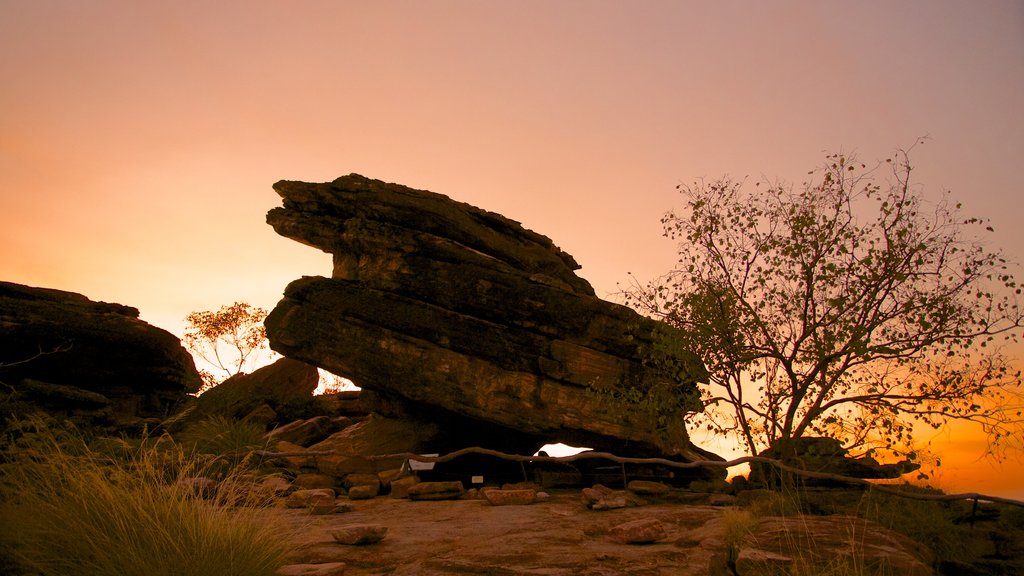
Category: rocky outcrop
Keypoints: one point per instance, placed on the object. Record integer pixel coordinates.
(477, 322)
(286, 386)
(826, 455)
(62, 351)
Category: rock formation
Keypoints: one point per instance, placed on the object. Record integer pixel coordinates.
(826, 455)
(477, 323)
(63, 351)
(285, 387)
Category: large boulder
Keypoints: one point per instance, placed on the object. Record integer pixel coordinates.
(62, 351)
(286, 386)
(471, 317)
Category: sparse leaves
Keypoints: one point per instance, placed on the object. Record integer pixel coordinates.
(226, 339)
(850, 306)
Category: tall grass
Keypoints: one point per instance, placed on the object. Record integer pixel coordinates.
(68, 509)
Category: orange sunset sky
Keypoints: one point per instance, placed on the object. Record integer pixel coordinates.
(139, 140)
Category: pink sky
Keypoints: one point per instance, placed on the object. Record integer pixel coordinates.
(139, 140)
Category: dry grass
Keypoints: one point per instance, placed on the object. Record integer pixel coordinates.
(68, 509)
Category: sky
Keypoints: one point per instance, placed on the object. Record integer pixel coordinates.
(139, 140)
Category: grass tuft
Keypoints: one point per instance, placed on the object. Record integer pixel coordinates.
(68, 509)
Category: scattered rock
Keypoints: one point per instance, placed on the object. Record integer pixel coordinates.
(498, 497)
(400, 486)
(360, 535)
(386, 476)
(315, 497)
(436, 491)
(352, 480)
(373, 436)
(294, 462)
(312, 480)
(648, 488)
(363, 491)
(642, 531)
(618, 499)
(275, 485)
(594, 494)
(302, 432)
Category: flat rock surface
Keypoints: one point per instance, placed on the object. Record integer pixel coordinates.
(556, 537)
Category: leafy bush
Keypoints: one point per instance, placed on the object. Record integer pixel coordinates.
(68, 509)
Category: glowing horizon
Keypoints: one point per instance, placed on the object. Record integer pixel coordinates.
(139, 141)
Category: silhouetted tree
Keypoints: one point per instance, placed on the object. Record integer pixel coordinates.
(849, 307)
(227, 339)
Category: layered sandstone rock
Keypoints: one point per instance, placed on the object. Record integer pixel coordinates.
(475, 321)
(65, 352)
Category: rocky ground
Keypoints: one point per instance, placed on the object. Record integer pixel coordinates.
(561, 536)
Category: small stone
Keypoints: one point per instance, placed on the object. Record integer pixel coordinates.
(594, 494)
(276, 485)
(352, 480)
(510, 497)
(618, 499)
(313, 480)
(309, 498)
(326, 569)
(643, 531)
(360, 534)
(648, 488)
(385, 477)
(400, 486)
(363, 492)
(302, 432)
(295, 462)
(451, 490)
